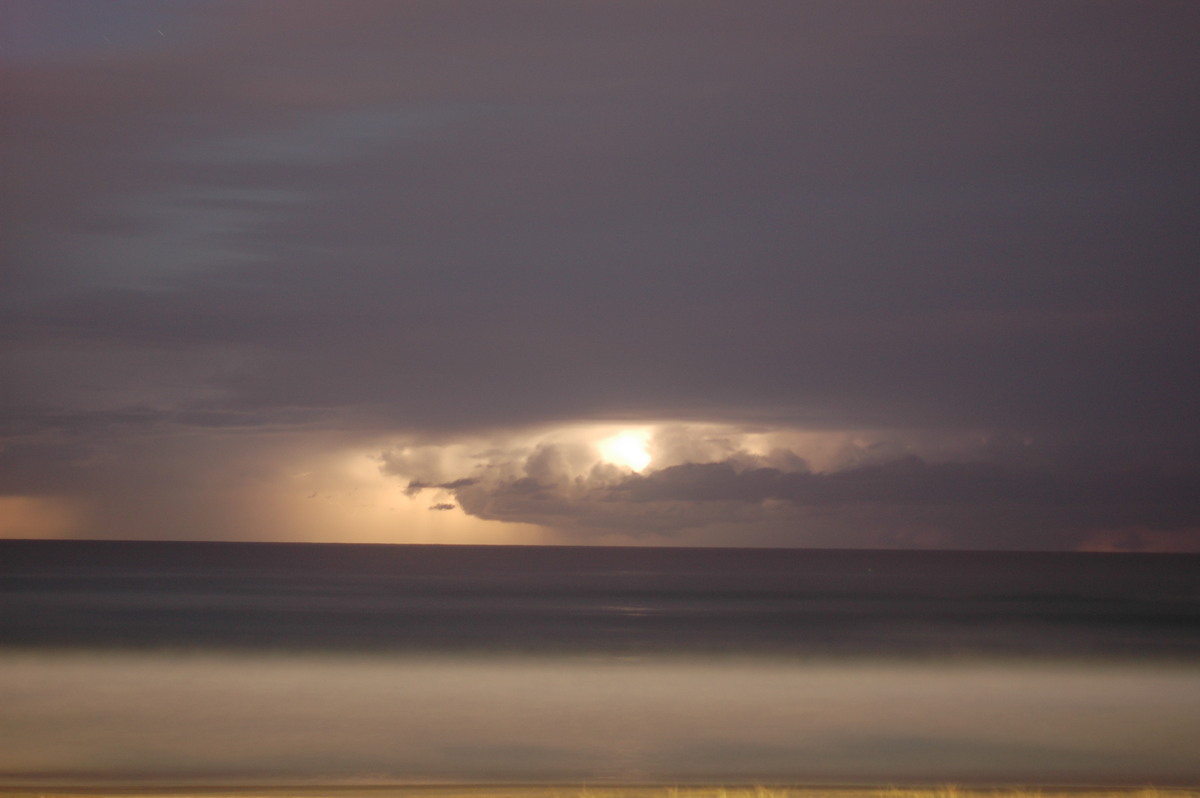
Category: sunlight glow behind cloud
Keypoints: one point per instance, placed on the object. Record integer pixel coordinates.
(627, 448)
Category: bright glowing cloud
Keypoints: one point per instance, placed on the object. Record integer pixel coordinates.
(627, 448)
(643, 482)
(571, 455)
(650, 481)
(673, 483)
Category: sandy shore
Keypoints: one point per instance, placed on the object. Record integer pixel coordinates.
(602, 791)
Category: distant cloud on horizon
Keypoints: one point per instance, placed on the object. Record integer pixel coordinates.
(869, 497)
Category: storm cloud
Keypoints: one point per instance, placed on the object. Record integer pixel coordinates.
(775, 498)
(241, 239)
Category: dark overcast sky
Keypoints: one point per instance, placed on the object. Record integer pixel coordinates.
(850, 274)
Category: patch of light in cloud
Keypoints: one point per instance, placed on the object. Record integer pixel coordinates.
(571, 452)
(627, 448)
(663, 481)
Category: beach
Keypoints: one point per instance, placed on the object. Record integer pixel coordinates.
(624, 791)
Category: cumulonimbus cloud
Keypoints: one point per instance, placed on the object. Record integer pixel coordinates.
(977, 502)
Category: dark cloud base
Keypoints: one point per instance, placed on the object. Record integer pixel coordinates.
(895, 502)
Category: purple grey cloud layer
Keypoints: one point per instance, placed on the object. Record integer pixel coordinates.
(432, 218)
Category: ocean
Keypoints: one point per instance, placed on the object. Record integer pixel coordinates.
(131, 663)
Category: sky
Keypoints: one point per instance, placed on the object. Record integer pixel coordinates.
(642, 272)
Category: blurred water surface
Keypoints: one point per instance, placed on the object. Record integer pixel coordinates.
(279, 664)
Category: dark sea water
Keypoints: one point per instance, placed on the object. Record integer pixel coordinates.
(223, 663)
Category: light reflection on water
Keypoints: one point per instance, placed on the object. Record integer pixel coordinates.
(210, 717)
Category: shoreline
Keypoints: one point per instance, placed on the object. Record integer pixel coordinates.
(578, 790)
